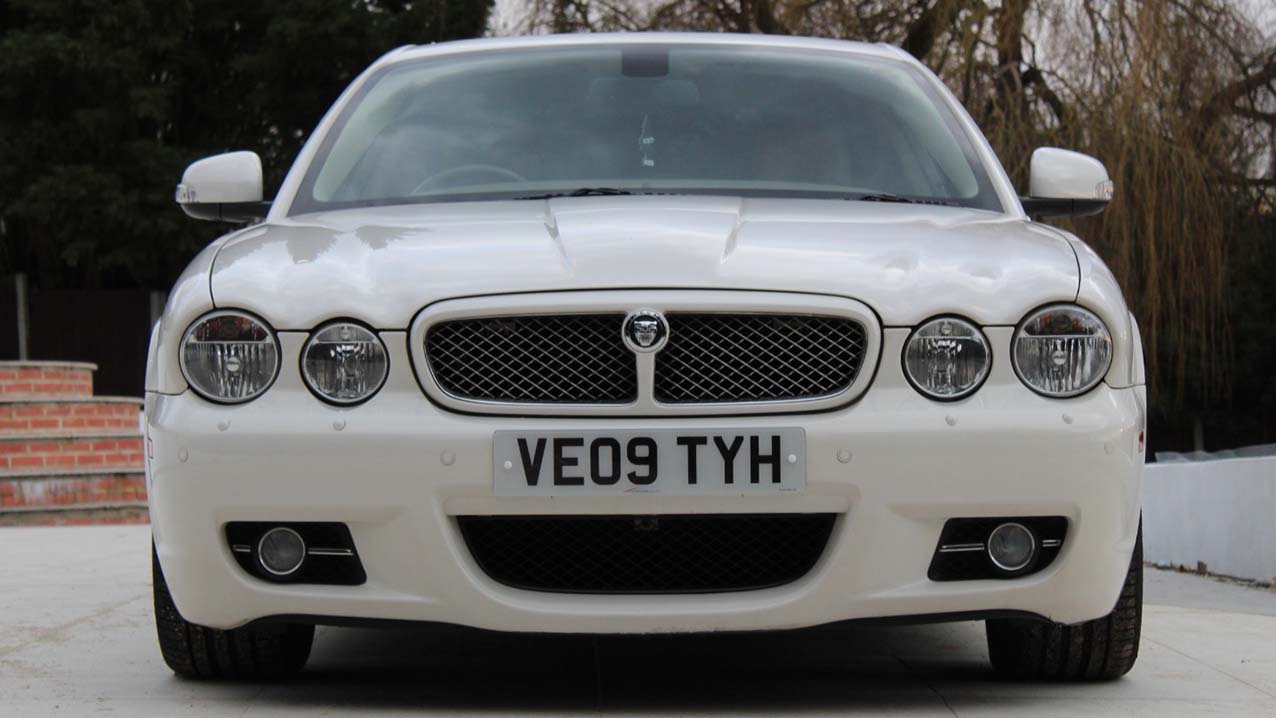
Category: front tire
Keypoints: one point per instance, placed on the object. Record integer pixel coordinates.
(194, 651)
(1103, 649)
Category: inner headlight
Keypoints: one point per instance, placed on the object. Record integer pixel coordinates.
(229, 357)
(1062, 350)
(344, 363)
(947, 358)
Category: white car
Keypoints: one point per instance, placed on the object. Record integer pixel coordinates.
(646, 334)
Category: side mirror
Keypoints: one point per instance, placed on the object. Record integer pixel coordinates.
(1063, 183)
(223, 188)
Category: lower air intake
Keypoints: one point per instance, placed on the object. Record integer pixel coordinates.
(647, 554)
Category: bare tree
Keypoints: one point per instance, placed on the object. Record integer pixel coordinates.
(1178, 97)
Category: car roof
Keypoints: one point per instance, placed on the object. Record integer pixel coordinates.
(413, 52)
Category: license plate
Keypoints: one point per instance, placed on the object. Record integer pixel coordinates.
(662, 461)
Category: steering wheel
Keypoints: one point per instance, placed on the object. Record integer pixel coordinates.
(477, 169)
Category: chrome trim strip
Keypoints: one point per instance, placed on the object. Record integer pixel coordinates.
(329, 552)
(241, 548)
(1051, 543)
(960, 547)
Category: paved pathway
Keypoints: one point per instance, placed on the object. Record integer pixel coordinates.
(76, 638)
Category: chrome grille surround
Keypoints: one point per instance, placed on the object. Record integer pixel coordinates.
(716, 358)
(822, 321)
(555, 359)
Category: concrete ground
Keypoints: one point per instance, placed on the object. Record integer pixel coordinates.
(76, 638)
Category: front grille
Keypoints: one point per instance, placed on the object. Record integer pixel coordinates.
(719, 358)
(647, 554)
(559, 359)
(714, 358)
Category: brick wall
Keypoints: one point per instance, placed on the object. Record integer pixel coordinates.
(71, 492)
(63, 417)
(45, 381)
(67, 456)
(71, 453)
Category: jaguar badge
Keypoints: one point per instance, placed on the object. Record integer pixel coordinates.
(645, 330)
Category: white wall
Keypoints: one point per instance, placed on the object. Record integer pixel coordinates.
(1220, 511)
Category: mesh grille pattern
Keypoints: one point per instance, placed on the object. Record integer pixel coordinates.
(713, 358)
(560, 359)
(647, 554)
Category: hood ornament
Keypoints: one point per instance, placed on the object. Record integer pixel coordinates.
(645, 330)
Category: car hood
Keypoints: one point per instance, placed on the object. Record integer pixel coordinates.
(382, 265)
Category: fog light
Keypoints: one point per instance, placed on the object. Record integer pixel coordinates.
(1011, 547)
(281, 551)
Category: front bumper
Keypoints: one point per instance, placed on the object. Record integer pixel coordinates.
(398, 470)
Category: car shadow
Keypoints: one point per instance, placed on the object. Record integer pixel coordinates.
(851, 667)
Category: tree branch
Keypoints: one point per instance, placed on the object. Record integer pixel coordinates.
(1260, 116)
(924, 32)
(1248, 181)
(1225, 99)
(1034, 77)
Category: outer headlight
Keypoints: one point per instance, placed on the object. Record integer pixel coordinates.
(229, 357)
(947, 358)
(344, 363)
(1062, 350)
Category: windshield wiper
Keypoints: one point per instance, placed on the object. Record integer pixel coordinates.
(884, 197)
(581, 192)
(887, 197)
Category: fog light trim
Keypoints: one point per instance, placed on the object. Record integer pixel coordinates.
(961, 553)
(331, 557)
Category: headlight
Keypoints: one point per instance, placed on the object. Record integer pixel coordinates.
(229, 357)
(947, 358)
(1062, 350)
(344, 363)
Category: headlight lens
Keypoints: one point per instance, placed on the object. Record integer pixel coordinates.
(1062, 350)
(344, 363)
(947, 358)
(229, 357)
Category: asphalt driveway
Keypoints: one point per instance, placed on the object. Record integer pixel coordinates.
(76, 638)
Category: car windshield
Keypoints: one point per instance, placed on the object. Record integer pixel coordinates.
(646, 119)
